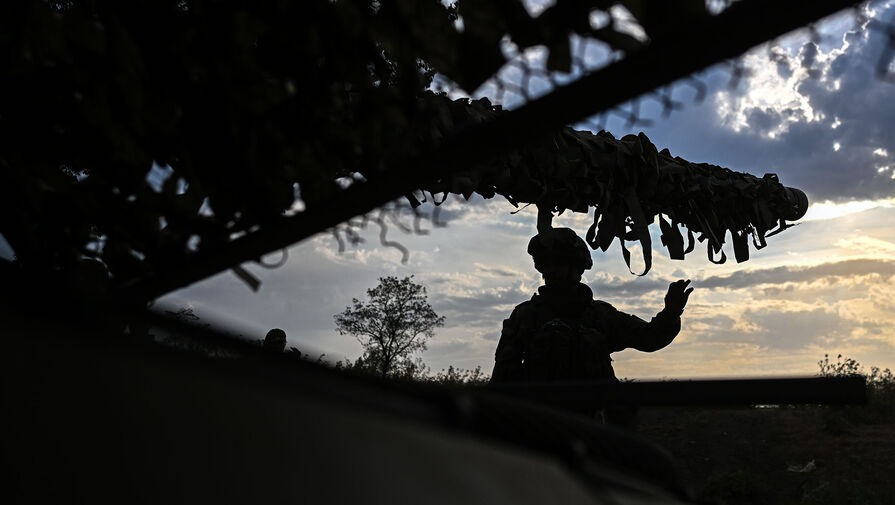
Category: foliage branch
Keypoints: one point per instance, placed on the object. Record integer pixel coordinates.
(393, 325)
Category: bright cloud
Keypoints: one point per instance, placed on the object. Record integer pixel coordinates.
(831, 210)
(774, 98)
(868, 245)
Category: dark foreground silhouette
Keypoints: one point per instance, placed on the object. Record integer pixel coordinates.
(562, 333)
(92, 416)
(275, 340)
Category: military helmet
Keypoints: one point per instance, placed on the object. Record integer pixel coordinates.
(560, 244)
(275, 340)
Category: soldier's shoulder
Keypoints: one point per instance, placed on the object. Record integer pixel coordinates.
(526, 306)
(522, 316)
(602, 306)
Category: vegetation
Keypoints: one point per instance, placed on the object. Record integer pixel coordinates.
(880, 382)
(806, 454)
(392, 326)
(880, 405)
(455, 376)
(418, 372)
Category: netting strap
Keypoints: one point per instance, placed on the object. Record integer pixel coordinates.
(640, 228)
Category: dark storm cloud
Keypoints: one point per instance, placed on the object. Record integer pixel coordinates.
(451, 348)
(483, 309)
(496, 271)
(784, 330)
(775, 291)
(796, 329)
(750, 278)
(766, 120)
(717, 321)
(803, 156)
(454, 208)
(632, 289)
(781, 275)
(781, 59)
(865, 107)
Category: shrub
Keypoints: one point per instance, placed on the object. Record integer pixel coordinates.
(880, 388)
(460, 376)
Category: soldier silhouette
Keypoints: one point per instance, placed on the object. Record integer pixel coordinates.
(275, 340)
(562, 333)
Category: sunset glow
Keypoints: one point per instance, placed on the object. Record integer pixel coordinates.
(823, 286)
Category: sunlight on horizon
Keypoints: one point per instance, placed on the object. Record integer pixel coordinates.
(830, 210)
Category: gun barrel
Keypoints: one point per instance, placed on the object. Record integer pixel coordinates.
(809, 390)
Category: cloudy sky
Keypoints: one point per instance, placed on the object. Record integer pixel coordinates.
(815, 114)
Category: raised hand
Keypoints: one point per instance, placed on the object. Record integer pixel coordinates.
(677, 296)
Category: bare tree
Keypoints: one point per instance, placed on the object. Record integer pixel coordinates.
(393, 325)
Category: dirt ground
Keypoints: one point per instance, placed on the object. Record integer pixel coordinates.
(777, 455)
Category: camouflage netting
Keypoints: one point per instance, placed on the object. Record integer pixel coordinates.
(136, 164)
(629, 183)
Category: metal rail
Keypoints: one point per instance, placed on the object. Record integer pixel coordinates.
(702, 393)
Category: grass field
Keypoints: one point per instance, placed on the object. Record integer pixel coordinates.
(787, 454)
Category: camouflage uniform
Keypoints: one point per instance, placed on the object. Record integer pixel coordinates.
(564, 334)
(554, 338)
